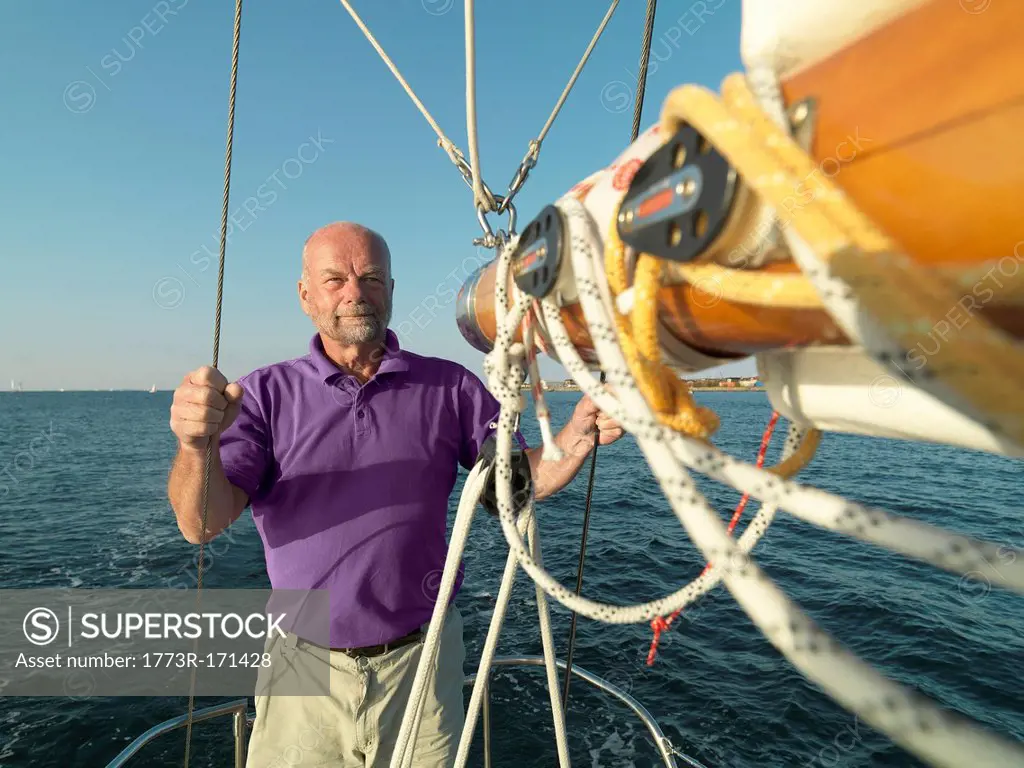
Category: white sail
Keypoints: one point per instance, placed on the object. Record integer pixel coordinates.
(787, 36)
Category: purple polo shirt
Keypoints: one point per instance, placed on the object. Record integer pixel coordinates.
(349, 484)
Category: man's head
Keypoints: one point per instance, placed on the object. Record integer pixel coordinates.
(346, 286)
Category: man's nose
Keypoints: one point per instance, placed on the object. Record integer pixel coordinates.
(353, 291)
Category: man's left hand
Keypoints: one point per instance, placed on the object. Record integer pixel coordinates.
(587, 418)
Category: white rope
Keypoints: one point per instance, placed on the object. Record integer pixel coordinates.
(943, 738)
(955, 553)
(480, 198)
(398, 75)
(488, 652)
(527, 521)
(554, 690)
(551, 451)
(472, 489)
(764, 83)
(952, 552)
(443, 141)
(498, 365)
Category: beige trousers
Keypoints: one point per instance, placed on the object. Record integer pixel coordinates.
(357, 724)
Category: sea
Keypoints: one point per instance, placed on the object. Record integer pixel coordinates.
(88, 509)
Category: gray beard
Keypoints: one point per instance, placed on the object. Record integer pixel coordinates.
(362, 330)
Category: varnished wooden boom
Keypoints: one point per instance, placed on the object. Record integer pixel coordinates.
(933, 105)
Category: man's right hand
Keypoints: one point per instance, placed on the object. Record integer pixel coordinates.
(204, 405)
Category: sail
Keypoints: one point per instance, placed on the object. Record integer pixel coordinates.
(787, 36)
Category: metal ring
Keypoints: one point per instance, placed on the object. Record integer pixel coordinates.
(484, 224)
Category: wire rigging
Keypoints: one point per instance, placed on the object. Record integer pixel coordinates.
(638, 108)
(645, 59)
(208, 460)
(443, 141)
(533, 151)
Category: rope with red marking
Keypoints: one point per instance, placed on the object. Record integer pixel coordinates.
(660, 624)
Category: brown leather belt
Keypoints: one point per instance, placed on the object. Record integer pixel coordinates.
(379, 650)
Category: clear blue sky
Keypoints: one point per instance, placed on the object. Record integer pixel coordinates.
(113, 138)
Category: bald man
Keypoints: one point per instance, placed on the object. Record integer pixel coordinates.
(347, 457)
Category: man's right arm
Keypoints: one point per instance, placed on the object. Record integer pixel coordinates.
(204, 406)
(225, 502)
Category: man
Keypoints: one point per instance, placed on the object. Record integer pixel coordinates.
(347, 457)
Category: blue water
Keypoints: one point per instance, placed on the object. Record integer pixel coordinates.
(88, 509)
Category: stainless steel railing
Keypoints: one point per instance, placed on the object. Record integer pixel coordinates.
(237, 709)
(662, 742)
(241, 720)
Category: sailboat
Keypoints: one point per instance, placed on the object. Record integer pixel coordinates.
(152, 389)
(759, 222)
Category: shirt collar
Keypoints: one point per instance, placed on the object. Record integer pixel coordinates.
(393, 361)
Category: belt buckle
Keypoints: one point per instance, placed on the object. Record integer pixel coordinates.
(381, 649)
(365, 652)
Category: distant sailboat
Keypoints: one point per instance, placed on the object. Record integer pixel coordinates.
(15, 386)
(152, 390)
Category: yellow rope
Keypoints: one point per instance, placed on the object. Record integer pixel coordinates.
(790, 290)
(984, 281)
(801, 457)
(667, 394)
(977, 285)
(980, 365)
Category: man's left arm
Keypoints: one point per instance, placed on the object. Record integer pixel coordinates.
(576, 440)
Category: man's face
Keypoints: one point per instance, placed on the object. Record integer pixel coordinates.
(347, 289)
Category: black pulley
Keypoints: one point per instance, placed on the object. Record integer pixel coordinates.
(522, 478)
(679, 200)
(538, 255)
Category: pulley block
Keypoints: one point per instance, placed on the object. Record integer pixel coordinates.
(522, 478)
(538, 255)
(679, 200)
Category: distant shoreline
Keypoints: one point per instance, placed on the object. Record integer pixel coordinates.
(727, 389)
(560, 387)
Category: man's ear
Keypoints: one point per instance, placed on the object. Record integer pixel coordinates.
(302, 297)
